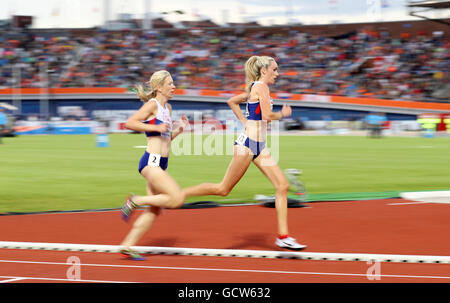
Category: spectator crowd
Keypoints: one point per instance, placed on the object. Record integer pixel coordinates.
(357, 65)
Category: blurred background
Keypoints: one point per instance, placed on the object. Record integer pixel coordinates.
(366, 67)
(373, 49)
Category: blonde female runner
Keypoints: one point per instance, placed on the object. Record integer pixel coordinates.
(153, 118)
(261, 71)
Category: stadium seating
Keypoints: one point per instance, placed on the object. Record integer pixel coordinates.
(358, 65)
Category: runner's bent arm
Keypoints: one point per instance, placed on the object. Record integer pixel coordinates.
(234, 102)
(182, 123)
(135, 121)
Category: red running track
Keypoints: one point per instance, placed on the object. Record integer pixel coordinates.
(391, 226)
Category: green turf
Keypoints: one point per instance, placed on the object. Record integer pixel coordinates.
(69, 172)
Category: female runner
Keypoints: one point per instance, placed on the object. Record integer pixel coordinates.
(261, 71)
(153, 118)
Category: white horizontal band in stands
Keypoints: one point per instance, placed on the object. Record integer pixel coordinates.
(230, 252)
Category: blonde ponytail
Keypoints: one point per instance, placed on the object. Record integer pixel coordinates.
(253, 69)
(142, 93)
(156, 80)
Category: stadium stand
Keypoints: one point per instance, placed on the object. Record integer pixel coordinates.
(390, 60)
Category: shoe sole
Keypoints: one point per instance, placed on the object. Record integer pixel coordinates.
(293, 248)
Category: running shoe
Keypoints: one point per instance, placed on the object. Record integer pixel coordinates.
(131, 254)
(128, 208)
(289, 243)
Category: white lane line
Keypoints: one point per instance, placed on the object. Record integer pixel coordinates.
(223, 270)
(13, 278)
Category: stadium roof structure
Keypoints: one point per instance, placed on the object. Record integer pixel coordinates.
(157, 23)
(199, 24)
(247, 24)
(420, 6)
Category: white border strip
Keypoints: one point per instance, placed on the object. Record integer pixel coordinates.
(229, 252)
(407, 203)
(427, 196)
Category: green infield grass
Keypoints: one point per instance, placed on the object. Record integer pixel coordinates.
(68, 172)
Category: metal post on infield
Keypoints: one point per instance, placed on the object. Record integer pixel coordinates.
(296, 186)
(102, 140)
(102, 135)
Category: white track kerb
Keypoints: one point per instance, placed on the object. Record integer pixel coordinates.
(230, 253)
(442, 196)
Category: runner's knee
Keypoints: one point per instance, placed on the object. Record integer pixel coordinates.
(283, 186)
(176, 200)
(223, 190)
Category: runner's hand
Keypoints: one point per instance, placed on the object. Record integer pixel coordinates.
(286, 111)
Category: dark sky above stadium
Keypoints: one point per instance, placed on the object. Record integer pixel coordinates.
(88, 13)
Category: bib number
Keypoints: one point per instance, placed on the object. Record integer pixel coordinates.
(241, 139)
(154, 159)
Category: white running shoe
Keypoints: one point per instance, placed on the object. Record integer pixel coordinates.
(289, 243)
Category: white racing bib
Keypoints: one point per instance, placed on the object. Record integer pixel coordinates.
(241, 139)
(153, 159)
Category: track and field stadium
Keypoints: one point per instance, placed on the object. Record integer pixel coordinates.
(371, 209)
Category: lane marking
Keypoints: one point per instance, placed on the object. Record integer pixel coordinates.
(209, 269)
(13, 278)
